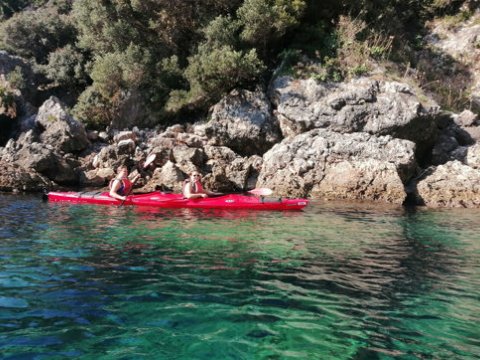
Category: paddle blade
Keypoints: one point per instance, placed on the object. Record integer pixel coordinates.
(150, 159)
(261, 192)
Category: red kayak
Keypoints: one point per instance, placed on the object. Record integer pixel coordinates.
(164, 200)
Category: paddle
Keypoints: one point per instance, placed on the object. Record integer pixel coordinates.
(260, 192)
(256, 192)
(150, 159)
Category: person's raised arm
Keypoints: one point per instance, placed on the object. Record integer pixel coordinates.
(136, 177)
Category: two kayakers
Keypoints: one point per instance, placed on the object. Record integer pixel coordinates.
(193, 188)
(121, 185)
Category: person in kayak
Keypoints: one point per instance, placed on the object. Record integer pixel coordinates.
(121, 186)
(193, 188)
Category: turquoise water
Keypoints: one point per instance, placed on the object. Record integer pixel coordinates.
(337, 281)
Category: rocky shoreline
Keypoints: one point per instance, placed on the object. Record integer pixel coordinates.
(366, 139)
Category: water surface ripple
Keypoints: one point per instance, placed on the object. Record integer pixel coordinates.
(337, 281)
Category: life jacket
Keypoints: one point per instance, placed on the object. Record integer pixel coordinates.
(125, 187)
(195, 188)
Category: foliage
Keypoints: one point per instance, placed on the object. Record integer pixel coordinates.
(7, 102)
(218, 70)
(16, 78)
(223, 30)
(66, 67)
(36, 33)
(173, 55)
(93, 109)
(9, 7)
(360, 46)
(118, 71)
(168, 75)
(264, 21)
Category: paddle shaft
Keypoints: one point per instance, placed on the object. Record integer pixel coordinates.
(256, 192)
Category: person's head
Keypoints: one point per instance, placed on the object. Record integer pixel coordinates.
(195, 176)
(122, 170)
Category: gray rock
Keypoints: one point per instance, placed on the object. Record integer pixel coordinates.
(14, 178)
(61, 130)
(184, 153)
(362, 105)
(243, 122)
(450, 185)
(168, 177)
(310, 163)
(466, 118)
(125, 135)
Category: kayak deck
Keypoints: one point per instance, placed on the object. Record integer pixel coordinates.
(167, 200)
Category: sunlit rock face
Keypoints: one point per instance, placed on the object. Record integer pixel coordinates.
(327, 164)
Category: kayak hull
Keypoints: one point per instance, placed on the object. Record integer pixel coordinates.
(164, 200)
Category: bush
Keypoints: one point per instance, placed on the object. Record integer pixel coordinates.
(168, 75)
(360, 46)
(17, 79)
(222, 30)
(120, 71)
(34, 34)
(10, 7)
(218, 70)
(265, 21)
(93, 109)
(8, 107)
(66, 67)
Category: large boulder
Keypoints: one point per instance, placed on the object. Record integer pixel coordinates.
(168, 177)
(227, 171)
(449, 185)
(361, 105)
(323, 163)
(243, 121)
(458, 132)
(61, 130)
(43, 159)
(14, 177)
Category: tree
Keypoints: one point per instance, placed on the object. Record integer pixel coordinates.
(265, 21)
(33, 34)
(66, 67)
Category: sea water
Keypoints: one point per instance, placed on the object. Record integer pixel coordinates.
(335, 281)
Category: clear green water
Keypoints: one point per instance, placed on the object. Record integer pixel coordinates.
(333, 282)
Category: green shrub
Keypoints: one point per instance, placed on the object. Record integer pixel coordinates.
(265, 21)
(218, 70)
(34, 34)
(17, 79)
(8, 107)
(118, 71)
(10, 7)
(93, 109)
(168, 75)
(359, 70)
(222, 30)
(66, 67)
